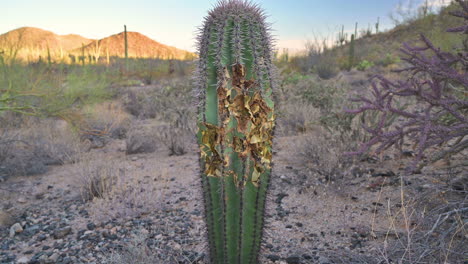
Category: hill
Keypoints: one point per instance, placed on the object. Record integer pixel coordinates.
(29, 43)
(382, 48)
(139, 46)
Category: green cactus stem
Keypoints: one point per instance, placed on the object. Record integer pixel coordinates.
(355, 30)
(235, 78)
(49, 57)
(351, 53)
(82, 57)
(377, 25)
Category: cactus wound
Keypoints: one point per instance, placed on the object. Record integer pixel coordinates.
(255, 120)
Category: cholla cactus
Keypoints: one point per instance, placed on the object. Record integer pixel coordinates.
(439, 82)
(234, 84)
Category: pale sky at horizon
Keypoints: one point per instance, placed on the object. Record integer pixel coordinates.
(174, 23)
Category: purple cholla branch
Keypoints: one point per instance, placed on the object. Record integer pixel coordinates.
(440, 116)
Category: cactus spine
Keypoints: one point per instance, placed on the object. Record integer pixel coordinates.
(234, 84)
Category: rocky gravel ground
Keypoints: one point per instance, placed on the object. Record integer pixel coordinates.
(310, 219)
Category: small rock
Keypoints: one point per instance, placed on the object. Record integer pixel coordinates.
(388, 173)
(41, 237)
(323, 260)
(293, 259)
(177, 246)
(39, 195)
(21, 200)
(6, 219)
(88, 233)
(273, 258)
(23, 260)
(15, 229)
(90, 226)
(53, 258)
(32, 230)
(62, 232)
(407, 153)
(134, 158)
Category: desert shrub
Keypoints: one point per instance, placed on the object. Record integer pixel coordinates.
(326, 69)
(138, 141)
(97, 177)
(157, 101)
(322, 154)
(437, 81)
(389, 59)
(364, 65)
(113, 194)
(140, 104)
(56, 91)
(298, 117)
(18, 157)
(105, 120)
(29, 149)
(180, 133)
(175, 139)
(322, 95)
(293, 78)
(175, 108)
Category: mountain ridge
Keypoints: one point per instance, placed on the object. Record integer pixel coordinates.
(31, 44)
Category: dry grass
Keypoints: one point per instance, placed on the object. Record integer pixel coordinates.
(429, 227)
(137, 251)
(29, 149)
(97, 177)
(139, 141)
(323, 154)
(115, 193)
(107, 119)
(296, 118)
(176, 139)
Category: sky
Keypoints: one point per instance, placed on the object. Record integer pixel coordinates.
(175, 23)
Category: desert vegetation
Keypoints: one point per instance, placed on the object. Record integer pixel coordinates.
(99, 161)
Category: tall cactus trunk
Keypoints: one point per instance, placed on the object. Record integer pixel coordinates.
(351, 53)
(126, 47)
(235, 79)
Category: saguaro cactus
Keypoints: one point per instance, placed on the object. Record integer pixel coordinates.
(126, 47)
(235, 80)
(351, 53)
